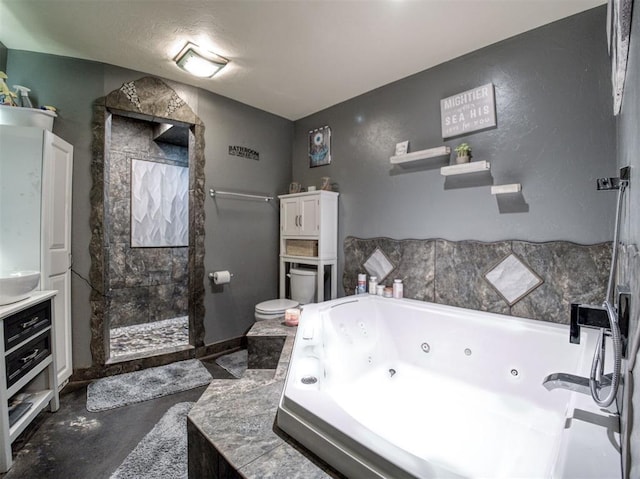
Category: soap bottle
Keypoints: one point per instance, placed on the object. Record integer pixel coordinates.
(373, 283)
(23, 93)
(362, 284)
(397, 288)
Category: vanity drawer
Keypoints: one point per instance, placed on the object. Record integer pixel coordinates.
(26, 323)
(27, 357)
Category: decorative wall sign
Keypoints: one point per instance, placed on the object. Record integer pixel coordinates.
(320, 146)
(402, 148)
(468, 111)
(244, 152)
(159, 204)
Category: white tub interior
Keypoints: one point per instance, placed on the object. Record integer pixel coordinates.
(412, 389)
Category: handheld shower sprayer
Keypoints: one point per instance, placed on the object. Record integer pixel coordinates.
(597, 366)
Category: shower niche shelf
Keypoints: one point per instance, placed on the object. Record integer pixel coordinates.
(416, 157)
(464, 168)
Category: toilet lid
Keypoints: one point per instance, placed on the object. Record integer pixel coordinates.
(275, 306)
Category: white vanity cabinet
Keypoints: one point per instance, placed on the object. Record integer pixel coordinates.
(36, 171)
(28, 377)
(309, 235)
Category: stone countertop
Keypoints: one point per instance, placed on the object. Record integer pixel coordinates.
(237, 418)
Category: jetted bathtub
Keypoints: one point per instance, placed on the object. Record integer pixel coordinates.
(392, 388)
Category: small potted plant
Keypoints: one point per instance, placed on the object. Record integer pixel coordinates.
(464, 153)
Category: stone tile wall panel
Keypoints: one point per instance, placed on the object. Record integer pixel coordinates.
(452, 273)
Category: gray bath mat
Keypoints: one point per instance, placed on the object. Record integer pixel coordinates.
(139, 386)
(163, 452)
(235, 363)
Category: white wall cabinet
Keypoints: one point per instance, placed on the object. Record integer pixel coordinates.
(309, 235)
(300, 215)
(35, 220)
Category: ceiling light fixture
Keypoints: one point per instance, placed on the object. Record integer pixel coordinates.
(199, 62)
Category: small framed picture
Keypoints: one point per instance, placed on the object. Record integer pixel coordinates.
(320, 147)
(402, 148)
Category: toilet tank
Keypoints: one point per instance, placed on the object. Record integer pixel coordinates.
(303, 285)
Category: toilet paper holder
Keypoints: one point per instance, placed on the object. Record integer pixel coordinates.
(220, 277)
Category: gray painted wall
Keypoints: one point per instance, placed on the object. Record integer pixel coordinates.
(241, 237)
(3, 57)
(629, 154)
(71, 85)
(555, 135)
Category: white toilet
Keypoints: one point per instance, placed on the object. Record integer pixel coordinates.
(303, 291)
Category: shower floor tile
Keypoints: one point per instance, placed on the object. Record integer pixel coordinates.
(149, 339)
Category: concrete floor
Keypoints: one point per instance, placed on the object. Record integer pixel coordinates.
(73, 443)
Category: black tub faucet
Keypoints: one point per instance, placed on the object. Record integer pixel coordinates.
(592, 316)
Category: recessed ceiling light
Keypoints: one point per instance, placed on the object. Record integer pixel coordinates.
(199, 62)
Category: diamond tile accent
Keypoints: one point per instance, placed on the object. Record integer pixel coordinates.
(378, 265)
(513, 279)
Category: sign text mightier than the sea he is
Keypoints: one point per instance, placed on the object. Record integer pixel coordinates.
(468, 111)
(244, 152)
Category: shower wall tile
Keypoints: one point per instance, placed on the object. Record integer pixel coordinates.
(459, 274)
(117, 265)
(129, 135)
(129, 306)
(167, 301)
(452, 273)
(118, 226)
(164, 268)
(170, 154)
(180, 264)
(572, 273)
(119, 175)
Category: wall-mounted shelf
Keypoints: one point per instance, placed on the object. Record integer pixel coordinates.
(415, 156)
(506, 189)
(464, 168)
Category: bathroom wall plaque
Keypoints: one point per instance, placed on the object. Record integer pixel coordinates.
(319, 146)
(244, 152)
(159, 204)
(468, 111)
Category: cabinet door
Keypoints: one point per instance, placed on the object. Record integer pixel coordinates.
(289, 216)
(56, 242)
(56, 205)
(310, 217)
(62, 318)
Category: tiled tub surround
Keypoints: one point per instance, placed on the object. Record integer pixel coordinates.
(452, 273)
(405, 389)
(231, 431)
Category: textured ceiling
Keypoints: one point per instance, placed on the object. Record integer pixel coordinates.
(291, 58)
